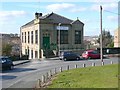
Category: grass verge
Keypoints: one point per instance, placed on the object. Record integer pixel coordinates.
(90, 77)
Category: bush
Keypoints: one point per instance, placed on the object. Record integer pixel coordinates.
(15, 58)
(24, 57)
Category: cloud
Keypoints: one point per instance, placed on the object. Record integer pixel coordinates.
(6, 16)
(110, 6)
(103, 0)
(65, 6)
(59, 7)
(12, 13)
(75, 8)
(10, 20)
(59, 0)
(106, 6)
(78, 9)
(36, 6)
(112, 18)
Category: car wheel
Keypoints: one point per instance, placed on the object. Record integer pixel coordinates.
(89, 57)
(60, 58)
(77, 58)
(65, 59)
(11, 67)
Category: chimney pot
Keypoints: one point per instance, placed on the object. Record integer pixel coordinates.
(36, 15)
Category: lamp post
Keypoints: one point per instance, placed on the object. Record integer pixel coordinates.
(101, 51)
(59, 39)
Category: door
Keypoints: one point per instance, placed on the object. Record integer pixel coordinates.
(46, 43)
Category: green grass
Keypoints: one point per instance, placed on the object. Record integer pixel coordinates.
(90, 77)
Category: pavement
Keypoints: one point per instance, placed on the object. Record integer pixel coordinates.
(20, 62)
(54, 58)
(26, 61)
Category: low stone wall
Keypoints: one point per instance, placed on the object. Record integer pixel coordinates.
(112, 55)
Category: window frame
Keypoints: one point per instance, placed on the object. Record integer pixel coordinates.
(78, 37)
(63, 37)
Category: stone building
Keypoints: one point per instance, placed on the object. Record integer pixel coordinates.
(117, 38)
(51, 33)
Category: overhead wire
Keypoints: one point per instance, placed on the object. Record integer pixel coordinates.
(112, 12)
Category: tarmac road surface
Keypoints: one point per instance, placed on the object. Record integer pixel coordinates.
(26, 75)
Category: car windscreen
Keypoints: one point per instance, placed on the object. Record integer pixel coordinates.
(94, 52)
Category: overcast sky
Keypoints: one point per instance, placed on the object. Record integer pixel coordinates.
(15, 14)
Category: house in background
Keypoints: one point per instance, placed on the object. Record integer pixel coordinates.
(117, 38)
(91, 42)
(13, 40)
(41, 35)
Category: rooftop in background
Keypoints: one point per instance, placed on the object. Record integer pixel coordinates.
(89, 38)
(9, 35)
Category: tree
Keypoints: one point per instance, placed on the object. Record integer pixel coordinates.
(6, 50)
(111, 45)
(106, 38)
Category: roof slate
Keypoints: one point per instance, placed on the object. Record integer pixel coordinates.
(77, 22)
(56, 19)
(59, 19)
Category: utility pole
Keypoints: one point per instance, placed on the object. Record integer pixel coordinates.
(59, 39)
(101, 46)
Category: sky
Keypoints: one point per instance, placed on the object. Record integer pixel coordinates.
(14, 14)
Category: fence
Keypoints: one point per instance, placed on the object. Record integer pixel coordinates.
(46, 78)
(110, 50)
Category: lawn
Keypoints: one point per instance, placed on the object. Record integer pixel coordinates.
(90, 77)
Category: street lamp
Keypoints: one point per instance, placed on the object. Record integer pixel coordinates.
(59, 39)
(101, 51)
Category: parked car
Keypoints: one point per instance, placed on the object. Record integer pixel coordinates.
(69, 56)
(88, 54)
(5, 63)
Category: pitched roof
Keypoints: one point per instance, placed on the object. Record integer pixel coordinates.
(56, 19)
(77, 22)
(29, 23)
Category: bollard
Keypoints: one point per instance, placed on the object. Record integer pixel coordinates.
(68, 67)
(93, 64)
(111, 62)
(60, 69)
(43, 78)
(55, 71)
(38, 85)
(39, 82)
(102, 63)
(50, 73)
(47, 75)
(84, 65)
(76, 66)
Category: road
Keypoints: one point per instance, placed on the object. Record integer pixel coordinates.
(26, 75)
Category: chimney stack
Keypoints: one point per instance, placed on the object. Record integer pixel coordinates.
(40, 14)
(37, 15)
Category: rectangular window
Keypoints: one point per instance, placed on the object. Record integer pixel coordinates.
(25, 51)
(36, 36)
(32, 37)
(28, 52)
(63, 36)
(31, 53)
(77, 37)
(25, 37)
(28, 37)
(22, 36)
(36, 54)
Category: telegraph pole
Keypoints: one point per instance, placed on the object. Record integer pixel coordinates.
(101, 46)
(59, 37)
